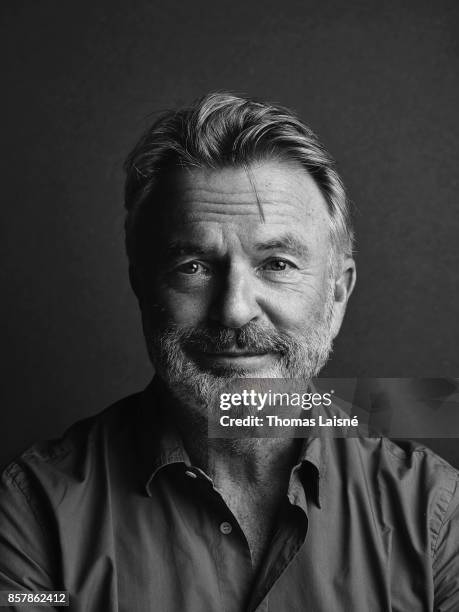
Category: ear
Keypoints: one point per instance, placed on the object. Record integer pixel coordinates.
(343, 286)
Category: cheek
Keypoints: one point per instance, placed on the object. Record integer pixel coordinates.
(182, 309)
(289, 315)
(297, 310)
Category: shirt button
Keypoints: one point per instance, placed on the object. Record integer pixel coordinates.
(190, 474)
(226, 528)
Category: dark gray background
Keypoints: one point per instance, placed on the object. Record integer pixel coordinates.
(377, 80)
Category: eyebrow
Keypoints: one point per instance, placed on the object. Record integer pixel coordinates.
(287, 242)
(183, 247)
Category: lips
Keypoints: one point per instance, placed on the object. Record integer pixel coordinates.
(234, 353)
(234, 358)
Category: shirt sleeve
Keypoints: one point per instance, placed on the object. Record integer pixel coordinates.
(26, 556)
(446, 560)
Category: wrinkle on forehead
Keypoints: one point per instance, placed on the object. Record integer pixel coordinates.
(265, 190)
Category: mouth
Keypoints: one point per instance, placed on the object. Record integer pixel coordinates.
(234, 353)
(234, 357)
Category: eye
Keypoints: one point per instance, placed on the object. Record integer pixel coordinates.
(278, 265)
(191, 268)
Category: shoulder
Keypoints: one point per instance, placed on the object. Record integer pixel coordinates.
(399, 459)
(53, 464)
(417, 466)
(409, 480)
(41, 490)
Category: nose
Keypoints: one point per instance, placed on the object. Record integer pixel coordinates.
(236, 303)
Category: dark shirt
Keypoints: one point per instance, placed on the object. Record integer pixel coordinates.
(115, 513)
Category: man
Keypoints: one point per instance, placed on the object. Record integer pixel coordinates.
(240, 248)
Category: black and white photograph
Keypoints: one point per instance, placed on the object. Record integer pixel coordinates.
(230, 272)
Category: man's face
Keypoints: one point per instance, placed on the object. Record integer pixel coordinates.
(240, 287)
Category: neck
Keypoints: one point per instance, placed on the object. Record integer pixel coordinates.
(248, 461)
(252, 461)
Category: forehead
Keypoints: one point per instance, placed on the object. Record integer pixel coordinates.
(264, 199)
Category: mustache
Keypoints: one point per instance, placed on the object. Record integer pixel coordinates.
(253, 338)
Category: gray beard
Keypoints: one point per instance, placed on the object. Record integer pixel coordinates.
(299, 357)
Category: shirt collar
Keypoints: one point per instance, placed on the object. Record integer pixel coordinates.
(307, 476)
(160, 443)
(161, 446)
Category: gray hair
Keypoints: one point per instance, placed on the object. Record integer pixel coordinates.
(221, 130)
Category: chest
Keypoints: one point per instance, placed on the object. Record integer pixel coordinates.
(256, 514)
(128, 554)
(257, 527)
